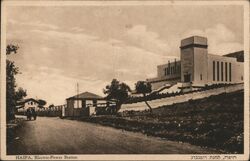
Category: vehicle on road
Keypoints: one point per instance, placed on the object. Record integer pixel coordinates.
(31, 113)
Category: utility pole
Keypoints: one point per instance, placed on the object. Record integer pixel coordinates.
(77, 90)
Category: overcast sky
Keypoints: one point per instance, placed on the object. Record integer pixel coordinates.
(91, 45)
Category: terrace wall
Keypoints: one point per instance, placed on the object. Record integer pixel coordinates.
(140, 106)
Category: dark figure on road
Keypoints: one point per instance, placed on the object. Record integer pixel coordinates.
(31, 113)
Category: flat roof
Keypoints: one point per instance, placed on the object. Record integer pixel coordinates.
(198, 40)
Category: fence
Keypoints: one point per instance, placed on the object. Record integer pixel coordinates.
(140, 106)
(55, 111)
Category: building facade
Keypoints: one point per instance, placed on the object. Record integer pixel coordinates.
(199, 68)
(25, 104)
(82, 104)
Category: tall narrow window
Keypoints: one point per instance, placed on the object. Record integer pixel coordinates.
(201, 76)
(218, 71)
(230, 72)
(213, 70)
(77, 103)
(226, 71)
(222, 73)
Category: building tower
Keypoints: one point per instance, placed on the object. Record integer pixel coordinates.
(194, 60)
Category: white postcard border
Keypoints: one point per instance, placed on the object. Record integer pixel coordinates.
(126, 157)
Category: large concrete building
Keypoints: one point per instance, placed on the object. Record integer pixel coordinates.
(198, 68)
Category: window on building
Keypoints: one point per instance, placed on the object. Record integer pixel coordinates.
(218, 71)
(241, 77)
(31, 103)
(226, 71)
(77, 103)
(213, 70)
(230, 72)
(89, 103)
(165, 71)
(201, 76)
(222, 73)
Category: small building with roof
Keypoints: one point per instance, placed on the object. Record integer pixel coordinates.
(83, 104)
(25, 104)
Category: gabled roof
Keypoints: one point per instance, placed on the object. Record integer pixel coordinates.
(26, 100)
(20, 106)
(86, 95)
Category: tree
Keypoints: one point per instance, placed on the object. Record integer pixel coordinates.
(11, 49)
(51, 106)
(117, 91)
(143, 87)
(41, 103)
(20, 93)
(12, 96)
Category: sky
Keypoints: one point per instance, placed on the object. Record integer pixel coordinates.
(61, 46)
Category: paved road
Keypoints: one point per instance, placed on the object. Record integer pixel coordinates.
(57, 136)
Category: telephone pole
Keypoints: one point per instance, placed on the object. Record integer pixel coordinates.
(77, 90)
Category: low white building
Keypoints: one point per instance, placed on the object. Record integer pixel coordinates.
(25, 104)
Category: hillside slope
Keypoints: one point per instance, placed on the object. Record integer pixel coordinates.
(216, 122)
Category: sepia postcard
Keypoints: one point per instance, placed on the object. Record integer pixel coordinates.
(124, 80)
